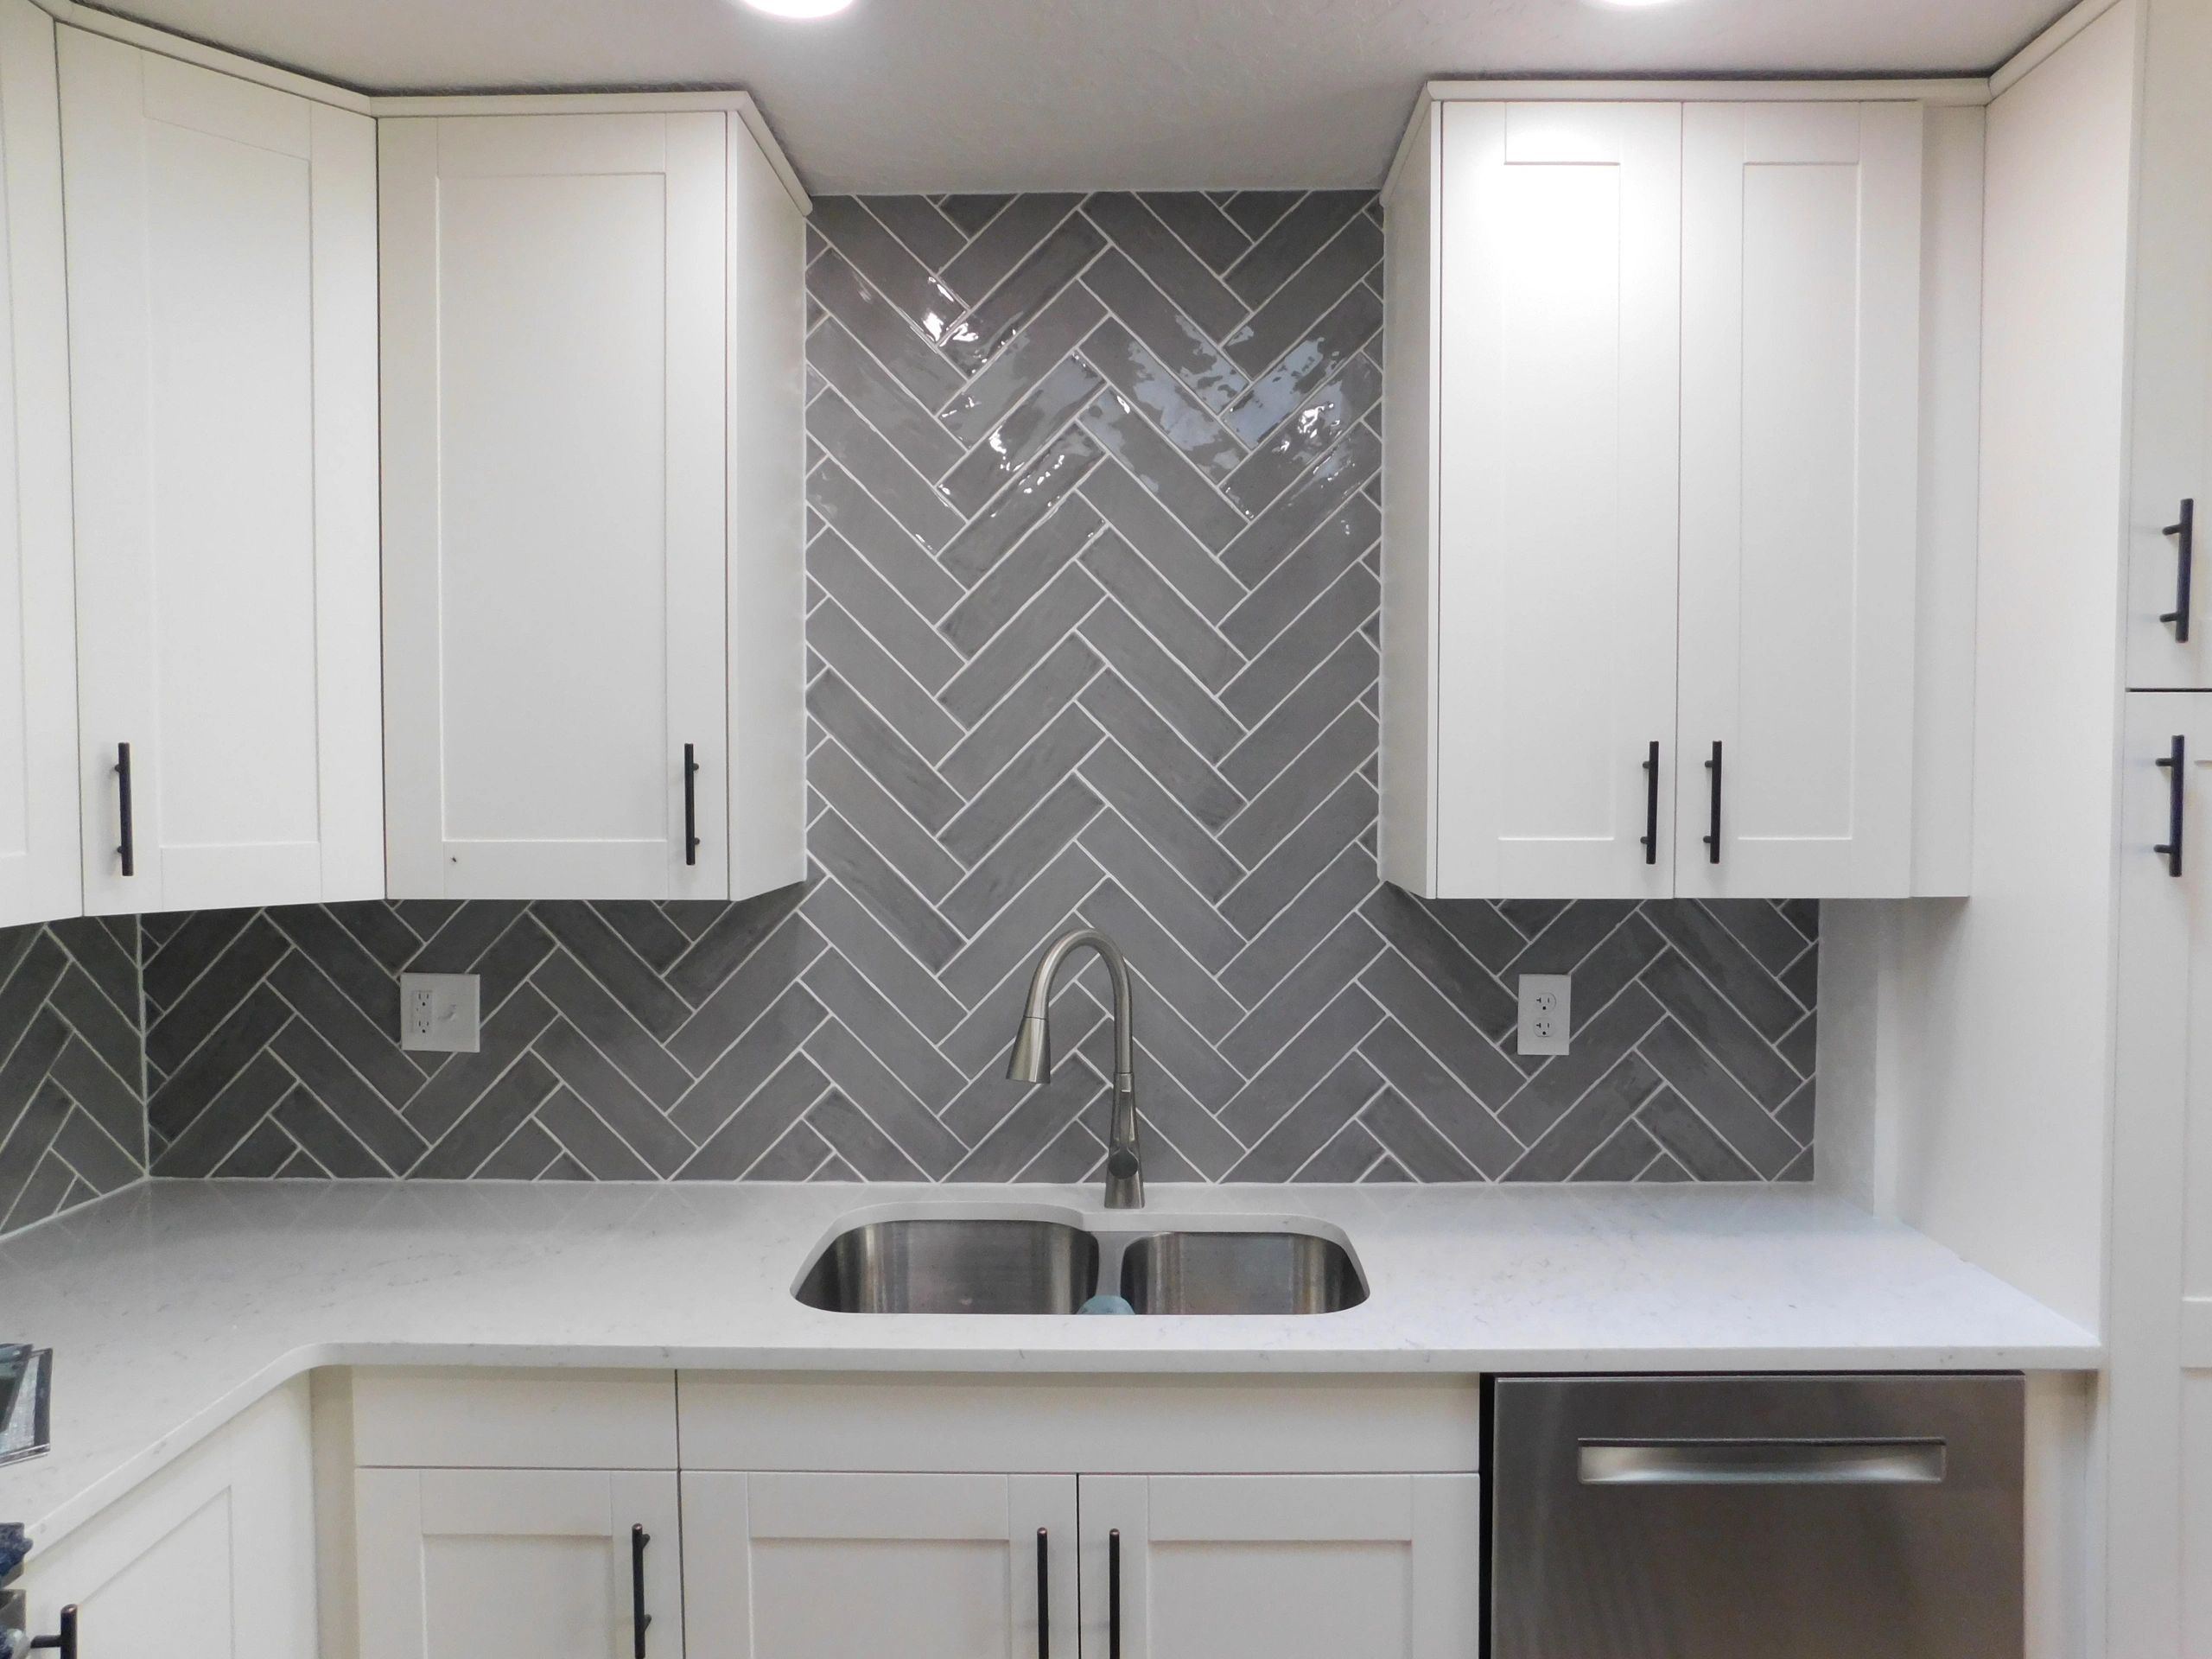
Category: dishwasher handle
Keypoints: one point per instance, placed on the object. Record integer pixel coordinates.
(1763, 1463)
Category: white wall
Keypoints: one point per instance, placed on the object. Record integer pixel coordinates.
(1971, 1061)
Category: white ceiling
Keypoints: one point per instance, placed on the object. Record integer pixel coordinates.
(988, 95)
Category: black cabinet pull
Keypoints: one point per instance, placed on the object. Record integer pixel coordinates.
(640, 1620)
(127, 849)
(690, 807)
(1114, 1594)
(64, 1641)
(1651, 804)
(2173, 760)
(1713, 841)
(1044, 1599)
(2184, 533)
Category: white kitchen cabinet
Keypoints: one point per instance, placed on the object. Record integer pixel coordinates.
(593, 332)
(2169, 443)
(213, 1558)
(2161, 1270)
(1561, 242)
(517, 1563)
(796, 1565)
(1673, 499)
(1801, 384)
(222, 343)
(39, 875)
(1281, 1567)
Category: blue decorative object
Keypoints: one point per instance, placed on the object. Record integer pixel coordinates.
(15, 1544)
(1107, 1304)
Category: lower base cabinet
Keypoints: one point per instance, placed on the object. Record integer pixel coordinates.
(517, 1563)
(855, 1516)
(1280, 1566)
(213, 1558)
(925, 1567)
(1185, 1567)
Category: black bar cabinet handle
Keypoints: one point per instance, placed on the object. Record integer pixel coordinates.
(1114, 1594)
(640, 1620)
(2173, 760)
(1043, 1599)
(1713, 841)
(127, 849)
(690, 806)
(64, 1641)
(1651, 804)
(2184, 533)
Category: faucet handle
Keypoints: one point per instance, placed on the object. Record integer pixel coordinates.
(1122, 1162)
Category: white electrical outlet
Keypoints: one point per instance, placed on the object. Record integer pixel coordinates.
(438, 1013)
(1547, 1011)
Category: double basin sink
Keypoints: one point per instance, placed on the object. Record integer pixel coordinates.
(1014, 1264)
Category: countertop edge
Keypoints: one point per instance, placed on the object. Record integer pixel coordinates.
(233, 1402)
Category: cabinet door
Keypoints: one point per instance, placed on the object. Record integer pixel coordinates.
(554, 472)
(222, 319)
(516, 1563)
(1281, 1567)
(1556, 506)
(2169, 440)
(1801, 327)
(211, 1558)
(2160, 1313)
(926, 1567)
(38, 652)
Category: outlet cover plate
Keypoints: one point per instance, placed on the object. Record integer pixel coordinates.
(438, 1013)
(1547, 1013)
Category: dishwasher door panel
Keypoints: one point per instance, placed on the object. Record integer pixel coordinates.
(1718, 1517)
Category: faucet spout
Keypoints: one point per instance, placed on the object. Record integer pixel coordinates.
(1031, 1059)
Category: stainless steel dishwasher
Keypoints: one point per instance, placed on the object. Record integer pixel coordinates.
(1755, 1517)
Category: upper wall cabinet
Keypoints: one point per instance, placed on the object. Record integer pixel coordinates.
(593, 343)
(1801, 395)
(1674, 539)
(38, 656)
(1555, 546)
(2169, 609)
(222, 339)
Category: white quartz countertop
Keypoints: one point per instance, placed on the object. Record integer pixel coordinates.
(172, 1307)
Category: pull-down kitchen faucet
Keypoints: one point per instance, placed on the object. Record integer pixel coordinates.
(1031, 1060)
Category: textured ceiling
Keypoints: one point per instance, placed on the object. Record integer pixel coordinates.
(991, 95)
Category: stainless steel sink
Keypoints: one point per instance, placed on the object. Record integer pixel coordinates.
(1240, 1272)
(954, 1265)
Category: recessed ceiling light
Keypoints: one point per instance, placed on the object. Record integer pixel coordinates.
(813, 7)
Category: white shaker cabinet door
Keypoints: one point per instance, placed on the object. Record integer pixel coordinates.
(222, 333)
(1801, 328)
(213, 1558)
(2170, 438)
(553, 419)
(517, 1564)
(925, 1567)
(1558, 299)
(38, 652)
(2160, 1313)
(1281, 1567)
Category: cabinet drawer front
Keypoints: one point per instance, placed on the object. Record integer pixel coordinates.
(1217, 1424)
(514, 1420)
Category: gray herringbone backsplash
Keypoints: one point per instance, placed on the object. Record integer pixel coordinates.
(1092, 621)
(72, 1114)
